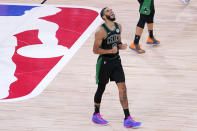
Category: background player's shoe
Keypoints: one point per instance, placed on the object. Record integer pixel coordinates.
(152, 41)
(97, 118)
(185, 1)
(136, 48)
(130, 123)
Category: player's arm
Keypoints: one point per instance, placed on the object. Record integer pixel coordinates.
(99, 36)
(121, 46)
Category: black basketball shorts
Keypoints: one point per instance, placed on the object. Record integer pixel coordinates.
(146, 19)
(109, 69)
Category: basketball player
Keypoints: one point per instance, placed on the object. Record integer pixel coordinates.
(185, 1)
(107, 44)
(147, 11)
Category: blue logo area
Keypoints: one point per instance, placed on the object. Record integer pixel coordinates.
(14, 10)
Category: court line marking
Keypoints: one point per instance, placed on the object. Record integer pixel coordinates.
(65, 59)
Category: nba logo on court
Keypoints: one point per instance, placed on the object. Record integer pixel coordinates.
(36, 41)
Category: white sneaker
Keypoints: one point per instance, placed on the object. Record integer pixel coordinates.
(185, 1)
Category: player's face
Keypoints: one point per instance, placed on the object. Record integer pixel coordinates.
(110, 14)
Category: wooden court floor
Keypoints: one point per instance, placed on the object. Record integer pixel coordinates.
(161, 84)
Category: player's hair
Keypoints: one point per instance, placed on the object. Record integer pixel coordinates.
(102, 12)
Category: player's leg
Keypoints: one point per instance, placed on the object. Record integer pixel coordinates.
(123, 98)
(98, 96)
(139, 29)
(150, 23)
(128, 120)
(119, 77)
(97, 118)
(102, 78)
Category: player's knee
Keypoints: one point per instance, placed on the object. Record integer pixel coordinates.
(97, 99)
(150, 22)
(141, 23)
(122, 87)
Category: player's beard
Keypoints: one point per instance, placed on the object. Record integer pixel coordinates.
(109, 18)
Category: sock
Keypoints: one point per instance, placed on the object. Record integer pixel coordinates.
(126, 113)
(96, 109)
(150, 33)
(136, 40)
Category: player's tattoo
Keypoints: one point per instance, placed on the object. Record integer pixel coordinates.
(123, 98)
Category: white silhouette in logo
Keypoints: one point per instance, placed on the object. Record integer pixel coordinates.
(11, 25)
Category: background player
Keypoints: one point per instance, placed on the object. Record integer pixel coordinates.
(147, 11)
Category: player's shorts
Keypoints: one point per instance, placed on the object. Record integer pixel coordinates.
(109, 69)
(148, 18)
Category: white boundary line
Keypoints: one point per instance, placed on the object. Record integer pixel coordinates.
(65, 59)
(54, 5)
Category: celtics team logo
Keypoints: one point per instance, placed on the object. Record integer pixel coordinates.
(117, 30)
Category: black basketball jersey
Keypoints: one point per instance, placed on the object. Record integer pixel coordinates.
(111, 40)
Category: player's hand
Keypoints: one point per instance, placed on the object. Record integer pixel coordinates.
(114, 50)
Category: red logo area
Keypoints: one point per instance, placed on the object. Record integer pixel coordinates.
(72, 22)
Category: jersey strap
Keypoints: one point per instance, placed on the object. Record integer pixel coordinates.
(105, 28)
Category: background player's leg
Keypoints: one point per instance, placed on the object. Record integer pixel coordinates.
(151, 39)
(150, 23)
(150, 29)
(138, 34)
(139, 29)
(150, 26)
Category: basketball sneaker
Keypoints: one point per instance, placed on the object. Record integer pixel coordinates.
(152, 41)
(130, 123)
(136, 48)
(185, 1)
(97, 118)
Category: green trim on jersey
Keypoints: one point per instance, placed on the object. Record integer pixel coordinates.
(98, 67)
(105, 28)
(109, 28)
(145, 9)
